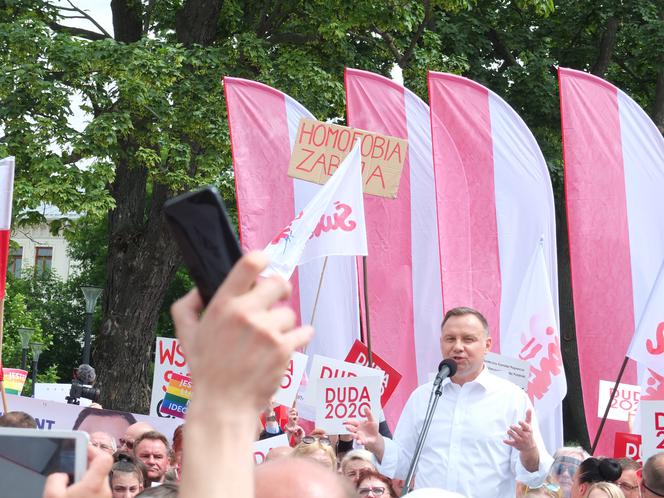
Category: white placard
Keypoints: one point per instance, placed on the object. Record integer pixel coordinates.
(261, 448)
(624, 402)
(168, 359)
(323, 367)
(56, 392)
(339, 399)
(652, 428)
(290, 382)
(513, 369)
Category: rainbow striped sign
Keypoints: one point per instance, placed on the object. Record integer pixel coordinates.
(177, 396)
(14, 378)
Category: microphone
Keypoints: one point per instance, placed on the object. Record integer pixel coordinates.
(87, 375)
(447, 368)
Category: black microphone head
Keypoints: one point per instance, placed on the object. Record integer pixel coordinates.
(450, 364)
(86, 374)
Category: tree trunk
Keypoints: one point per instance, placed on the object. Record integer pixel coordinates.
(607, 42)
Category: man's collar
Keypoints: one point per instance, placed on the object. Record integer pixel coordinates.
(485, 379)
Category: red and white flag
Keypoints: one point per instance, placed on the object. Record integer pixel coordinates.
(495, 212)
(6, 191)
(614, 179)
(332, 224)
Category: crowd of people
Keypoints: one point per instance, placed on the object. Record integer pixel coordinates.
(484, 440)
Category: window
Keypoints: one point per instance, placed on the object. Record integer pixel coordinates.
(43, 259)
(15, 261)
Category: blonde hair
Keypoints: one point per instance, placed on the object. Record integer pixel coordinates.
(610, 489)
(306, 449)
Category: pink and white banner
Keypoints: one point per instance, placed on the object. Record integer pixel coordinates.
(496, 209)
(405, 301)
(263, 124)
(614, 179)
(6, 191)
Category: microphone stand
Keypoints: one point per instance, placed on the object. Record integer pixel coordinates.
(431, 409)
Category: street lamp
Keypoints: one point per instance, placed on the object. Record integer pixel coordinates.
(26, 335)
(91, 293)
(37, 348)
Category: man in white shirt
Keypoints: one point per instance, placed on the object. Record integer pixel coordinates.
(483, 436)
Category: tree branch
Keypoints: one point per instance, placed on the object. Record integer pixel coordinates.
(389, 41)
(83, 33)
(607, 42)
(403, 61)
(86, 16)
(500, 49)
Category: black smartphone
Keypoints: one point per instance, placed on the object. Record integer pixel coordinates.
(201, 227)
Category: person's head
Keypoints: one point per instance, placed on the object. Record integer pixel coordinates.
(465, 338)
(594, 470)
(318, 449)
(152, 449)
(19, 420)
(126, 479)
(109, 421)
(299, 478)
(132, 433)
(371, 483)
(604, 490)
(566, 461)
(103, 441)
(354, 462)
(630, 480)
(166, 490)
(177, 444)
(278, 452)
(652, 482)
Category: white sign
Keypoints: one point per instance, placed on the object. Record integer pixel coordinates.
(652, 428)
(339, 399)
(56, 392)
(290, 382)
(168, 359)
(513, 369)
(261, 448)
(323, 367)
(624, 403)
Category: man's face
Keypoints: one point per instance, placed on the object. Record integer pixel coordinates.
(463, 339)
(102, 441)
(114, 426)
(154, 454)
(629, 483)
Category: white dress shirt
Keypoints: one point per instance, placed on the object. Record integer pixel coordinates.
(464, 451)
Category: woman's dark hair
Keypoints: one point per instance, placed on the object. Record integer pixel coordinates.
(594, 470)
(127, 467)
(369, 473)
(131, 461)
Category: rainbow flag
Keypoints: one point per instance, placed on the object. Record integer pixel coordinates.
(178, 394)
(14, 379)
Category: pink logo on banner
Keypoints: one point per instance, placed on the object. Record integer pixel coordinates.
(658, 346)
(550, 363)
(654, 386)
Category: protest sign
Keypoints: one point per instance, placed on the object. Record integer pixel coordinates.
(321, 147)
(14, 380)
(168, 360)
(624, 403)
(290, 382)
(340, 399)
(56, 392)
(323, 367)
(177, 396)
(627, 446)
(359, 354)
(262, 447)
(652, 427)
(512, 369)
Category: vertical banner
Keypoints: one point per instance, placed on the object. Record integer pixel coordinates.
(614, 177)
(263, 123)
(405, 301)
(496, 212)
(6, 191)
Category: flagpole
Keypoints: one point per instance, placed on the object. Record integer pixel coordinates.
(366, 311)
(608, 406)
(5, 406)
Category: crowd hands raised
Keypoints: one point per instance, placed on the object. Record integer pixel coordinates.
(237, 352)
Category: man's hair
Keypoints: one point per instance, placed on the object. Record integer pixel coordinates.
(17, 419)
(153, 436)
(653, 473)
(463, 311)
(86, 412)
(358, 454)
(629, 464)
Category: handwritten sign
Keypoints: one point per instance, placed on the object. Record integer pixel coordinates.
(339, 399)
(14, 379)
(320, 148)
(624, 403)
(168, 360)
(359, 354)
(178, 394)
(290, 382)
(513, 369)
(323, 367)
(627, 445)
(652, 427)
(262, 448)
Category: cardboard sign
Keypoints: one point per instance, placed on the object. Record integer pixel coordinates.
(56, 392)
(323, 367)
(627, 445)
(624, 403)
(359, 354)
(261, 448)
(178, 394)
(290, 382)
(320, 148)
(14, 379)
(339, 399)
(168, 360)
(513, 369)
(652, 427)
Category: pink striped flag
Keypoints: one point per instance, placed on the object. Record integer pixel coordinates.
(495, 213)
(614, 179)
(6, 191)
(263, 124)
(404, 285)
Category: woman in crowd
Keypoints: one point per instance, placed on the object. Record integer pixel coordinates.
(604, 490)
(372, 483)
(126, 479)
(566, 462)
(594, 470)
(317, 448)
(356, 461)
